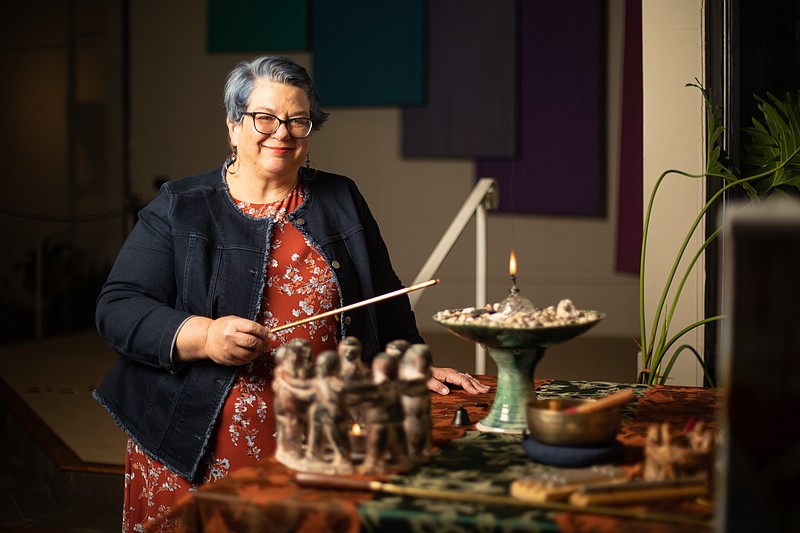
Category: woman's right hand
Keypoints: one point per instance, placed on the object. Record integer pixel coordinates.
(230, 340)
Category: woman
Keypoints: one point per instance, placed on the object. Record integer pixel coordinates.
(213, 263)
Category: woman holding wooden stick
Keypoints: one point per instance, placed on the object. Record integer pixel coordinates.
(213, 268)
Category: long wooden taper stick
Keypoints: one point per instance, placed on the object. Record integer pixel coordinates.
(356, 305)
(606, 402)
(324, 481)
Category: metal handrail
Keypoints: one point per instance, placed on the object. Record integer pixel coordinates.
(484, 196)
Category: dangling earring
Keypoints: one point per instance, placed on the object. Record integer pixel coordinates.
(233, 159)
(309, 172)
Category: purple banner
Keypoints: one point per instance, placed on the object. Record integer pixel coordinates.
(560, 168)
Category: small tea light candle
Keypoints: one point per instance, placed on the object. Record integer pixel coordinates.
(358, 441)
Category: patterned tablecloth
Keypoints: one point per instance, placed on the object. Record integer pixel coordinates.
(266, 498)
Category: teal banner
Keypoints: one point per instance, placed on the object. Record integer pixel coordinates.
(257, 25)
(369, 53)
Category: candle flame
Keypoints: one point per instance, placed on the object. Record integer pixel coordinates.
(356, 429)
(512, 264)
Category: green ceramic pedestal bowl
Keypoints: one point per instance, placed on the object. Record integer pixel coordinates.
(516, 351)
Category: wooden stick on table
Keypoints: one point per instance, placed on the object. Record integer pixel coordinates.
(608, 402)
(640, 491)
(356, 305)
(330, 482)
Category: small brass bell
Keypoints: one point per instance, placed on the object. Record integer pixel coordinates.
(461, 417)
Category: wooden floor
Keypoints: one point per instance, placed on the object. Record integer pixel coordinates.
(54, 379)
(61, 455)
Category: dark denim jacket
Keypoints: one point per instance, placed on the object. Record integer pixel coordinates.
(192, 252)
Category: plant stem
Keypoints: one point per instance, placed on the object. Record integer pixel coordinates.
(652, 353)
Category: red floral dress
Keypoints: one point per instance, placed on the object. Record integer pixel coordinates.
(299, 283)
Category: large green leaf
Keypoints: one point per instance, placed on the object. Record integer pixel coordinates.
(774, 144)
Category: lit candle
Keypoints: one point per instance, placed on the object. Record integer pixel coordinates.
(512, 271)
(357, 441)
(514, 302)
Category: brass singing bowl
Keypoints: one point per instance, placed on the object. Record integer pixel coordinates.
(549, 424)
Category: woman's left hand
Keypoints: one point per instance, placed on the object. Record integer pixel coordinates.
(440, 377)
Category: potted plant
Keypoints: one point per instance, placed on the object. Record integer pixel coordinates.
(773, 159)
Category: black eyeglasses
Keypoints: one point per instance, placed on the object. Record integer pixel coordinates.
(299, 128)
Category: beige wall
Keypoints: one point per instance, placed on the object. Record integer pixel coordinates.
(674, 139)
(178, 129)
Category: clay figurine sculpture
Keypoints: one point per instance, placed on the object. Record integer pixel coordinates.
(328, 440)
(674, 455)
(317, 403)
(383, 416)
(290, 415)
(414, 374)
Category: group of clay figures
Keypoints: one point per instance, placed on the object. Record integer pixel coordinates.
(672, 454)
(319, 402)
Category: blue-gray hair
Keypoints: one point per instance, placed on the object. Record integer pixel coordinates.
(242, 79)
